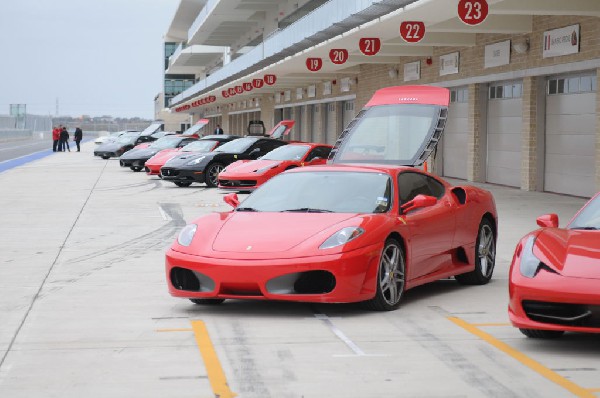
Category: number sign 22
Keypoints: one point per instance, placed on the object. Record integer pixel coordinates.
(369, 45)
(412, 31)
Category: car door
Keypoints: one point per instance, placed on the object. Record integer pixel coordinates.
(431, 228)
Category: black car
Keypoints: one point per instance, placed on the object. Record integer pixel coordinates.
(118, 147)
(135, 158)
(183, 170)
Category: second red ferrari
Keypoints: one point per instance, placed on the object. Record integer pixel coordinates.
(247, 175)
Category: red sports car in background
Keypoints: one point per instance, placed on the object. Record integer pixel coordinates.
(247, 175)
(205, 144)
(347, 231)
(554, 281)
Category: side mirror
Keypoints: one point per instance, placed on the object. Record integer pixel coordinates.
(418, 202)
(232, 200)
(548, 221)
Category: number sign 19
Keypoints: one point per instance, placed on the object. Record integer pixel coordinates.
(412, 31)
(314, 64)
(369, 45)
(472, 12)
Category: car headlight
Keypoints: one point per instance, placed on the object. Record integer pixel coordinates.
(187, 235)
(342, 237)
(195, 161)
(530, 265)
(263, 169)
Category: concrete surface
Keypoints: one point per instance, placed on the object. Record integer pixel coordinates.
(84, 310)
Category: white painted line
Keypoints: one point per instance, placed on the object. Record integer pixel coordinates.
(357, 350)
(164, 214)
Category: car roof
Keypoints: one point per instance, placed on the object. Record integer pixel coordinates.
(220, 137)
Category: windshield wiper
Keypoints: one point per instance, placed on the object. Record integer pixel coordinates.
(306, 210)
(246, 209)
(586, 228)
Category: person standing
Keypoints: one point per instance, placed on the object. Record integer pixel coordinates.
(64, 140)
(77, 137)
(218, 130)
(55, 139)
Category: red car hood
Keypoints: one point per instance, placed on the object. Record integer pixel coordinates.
(249, 168)
(272, 232)
(573, 253)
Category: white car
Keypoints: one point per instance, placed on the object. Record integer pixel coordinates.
(113, 136)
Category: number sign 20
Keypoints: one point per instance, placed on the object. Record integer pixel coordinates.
(314, 64)
(369, 45)
(338, 56)
(412, 31)
(473, 12)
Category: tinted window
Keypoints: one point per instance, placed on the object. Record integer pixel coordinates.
(287, 152)
(412, 184)
(589, 217)
(321, 152)
(237, 146)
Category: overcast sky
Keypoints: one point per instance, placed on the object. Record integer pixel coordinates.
(98, 57)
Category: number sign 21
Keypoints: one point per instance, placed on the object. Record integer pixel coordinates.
(369, 45)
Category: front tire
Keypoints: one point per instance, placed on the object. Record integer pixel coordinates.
(207, 301)
(136, 168)
(182, 184)
(105, 157)
(542, 334)
(391, 278)
(212, 174)
(485, 256)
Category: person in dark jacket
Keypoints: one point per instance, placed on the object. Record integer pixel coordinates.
(77, 137)
(218, 130)
(64, 140)
(55, 139)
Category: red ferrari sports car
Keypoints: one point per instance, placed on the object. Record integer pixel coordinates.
(555, 275)
(205, 144)
(247, 175)
(349, 231)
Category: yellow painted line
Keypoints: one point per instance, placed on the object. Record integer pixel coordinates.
(594, 389)
(216, 376)
(525, 360)
(490, 324)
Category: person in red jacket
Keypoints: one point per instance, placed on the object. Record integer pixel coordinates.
(55, 138)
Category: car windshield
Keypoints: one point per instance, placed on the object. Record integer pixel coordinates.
(389, 134)
(237, 146)
(152, 128)
(126, 140)
(287, 152)
(589, 217)
(195, 128)
(323, 191)
(199, 146)
(165, 143)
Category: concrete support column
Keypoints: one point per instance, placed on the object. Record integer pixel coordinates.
(225, 120)
(597, 131)
(529, 133)
(306, 123)
(267, 111)
(476, 166)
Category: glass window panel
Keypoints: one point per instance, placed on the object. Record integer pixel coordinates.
(552, 84)
(508, 91)
(585, 84)
(492, 92)
(453, 96)
(466, 95)
(573, 85)
(517, 90)
(499, 92)
(594, 83)
(561, 86)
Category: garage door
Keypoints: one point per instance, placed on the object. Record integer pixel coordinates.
(316, 123)
(348, 113)
(571, 135)
(504, 125)
(454, 141)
